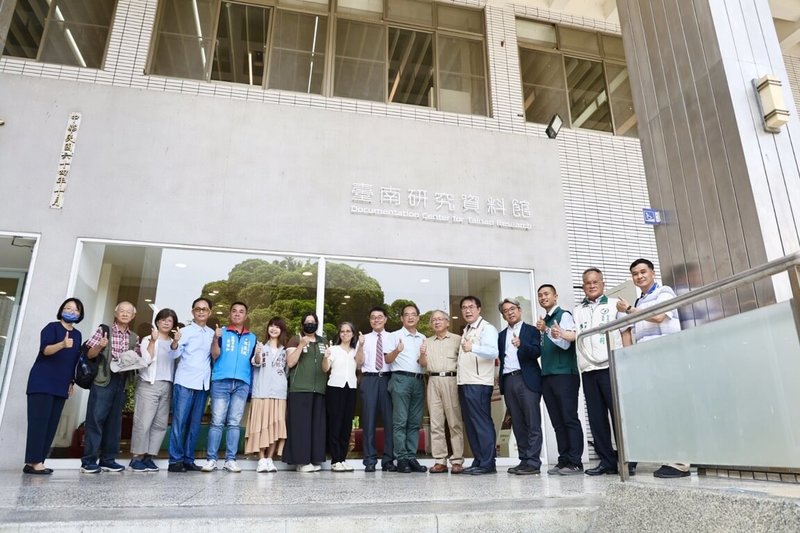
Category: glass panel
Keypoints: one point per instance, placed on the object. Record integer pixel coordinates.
(456, 18)
(15, 261)
(682, 395)
(415, 11)
(241, 44)
(462, 76)
(77, 31)
(537, 33)
(298, 52)
(26, 29)
(360, 61)
(317, 6)
(612, 47)
(578, 41)
(543, 86)
(621, 100)
(362, 8)
(153, 278)
(588, 100)
(78, 45)
(183, 47)
(410, 67)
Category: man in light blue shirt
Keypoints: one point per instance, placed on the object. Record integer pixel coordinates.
(190, 391)
(407, 389)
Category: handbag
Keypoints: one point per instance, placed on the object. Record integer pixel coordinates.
(86, 368)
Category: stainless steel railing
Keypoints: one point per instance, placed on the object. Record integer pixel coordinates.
(789, 264)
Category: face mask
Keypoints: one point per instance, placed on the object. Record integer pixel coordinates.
(309, 327)
(70, 318)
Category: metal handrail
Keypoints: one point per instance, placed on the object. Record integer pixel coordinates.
(712, 289)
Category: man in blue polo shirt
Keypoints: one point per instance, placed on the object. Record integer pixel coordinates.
(230, 385)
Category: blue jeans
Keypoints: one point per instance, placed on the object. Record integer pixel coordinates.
(187, 412)
(228, 399)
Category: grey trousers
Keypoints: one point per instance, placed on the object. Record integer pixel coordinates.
(150, 416)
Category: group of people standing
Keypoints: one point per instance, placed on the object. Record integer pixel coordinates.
(303, 389)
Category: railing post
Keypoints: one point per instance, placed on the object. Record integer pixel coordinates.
(622, 465)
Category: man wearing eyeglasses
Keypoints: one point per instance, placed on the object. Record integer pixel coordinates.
(407, 390)
(521, 385)
(192, 383)
(475, 385)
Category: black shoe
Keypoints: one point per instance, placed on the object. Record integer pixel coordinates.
(416, 467)
(513, 469)
(28, 469)
(389, 467)
(176, 467)
(480, 470)
(599, 470)
(191, 467)
(526, 470)
(669, 472)
(402, 467)
(631, 470)
(468, 469)
(369, 468)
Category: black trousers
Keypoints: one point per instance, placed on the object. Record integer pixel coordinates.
(560, 393)
(340, 403)
(597, 388)
(44, 412)
(305, 428)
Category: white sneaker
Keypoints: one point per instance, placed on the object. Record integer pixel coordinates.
(337, 467)
(271, 466)
(210, 466)
(346, 467)
(306, 468)
(231, 466)
(317, 468)
(263, 465)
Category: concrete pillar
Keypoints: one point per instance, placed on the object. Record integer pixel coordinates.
(6, 12)
(728, 190)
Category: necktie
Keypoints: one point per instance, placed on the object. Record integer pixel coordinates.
(547, 318)
(379, 354)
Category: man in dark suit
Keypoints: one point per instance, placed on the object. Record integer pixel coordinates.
(521, 385)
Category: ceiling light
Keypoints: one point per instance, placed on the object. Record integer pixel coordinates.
(307, 273)
(554, 126)
(181, 265)
(219, 312)
(424, 280)
(4, 292)
(454, 317)
(148, 300)
(346, 296)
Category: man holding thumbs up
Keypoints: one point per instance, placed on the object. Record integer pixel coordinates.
(107, 395)
(521, 385)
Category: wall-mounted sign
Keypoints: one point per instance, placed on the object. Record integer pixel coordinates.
(441, 207)
(652, 216)
(65, 160)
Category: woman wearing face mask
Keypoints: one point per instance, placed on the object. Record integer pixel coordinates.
(50, 382)
(305, 413)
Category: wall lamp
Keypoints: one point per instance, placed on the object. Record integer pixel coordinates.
(554, 126)
(774, 111)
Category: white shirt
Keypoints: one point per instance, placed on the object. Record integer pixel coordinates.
(370, 341)
(162, 363)
(343, 367)
(407, 360)
(511, 361)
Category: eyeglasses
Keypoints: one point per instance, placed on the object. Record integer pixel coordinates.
(410, 314)
(438, 319)
(466, 307)
(345, 331)
(508, 310)
(201, 309)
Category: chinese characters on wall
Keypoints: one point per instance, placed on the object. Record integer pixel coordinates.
(442, 207)
(65, 160)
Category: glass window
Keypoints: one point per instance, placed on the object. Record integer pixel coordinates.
(588, 100)
(414, 11)
(411, 67)
(462, 75)
(543, 85)
(241, 44)
(360, 70)
(537, 33)
(185, 38)
(372, 9)
(317, 6)
(619, 87)
(456, 18)
(73, 32)
(578, 40)
(298, 52)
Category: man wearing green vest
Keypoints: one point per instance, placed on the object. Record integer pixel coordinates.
(560, 382)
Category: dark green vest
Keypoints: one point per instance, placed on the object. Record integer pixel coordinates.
(307, 374)
(556, 360)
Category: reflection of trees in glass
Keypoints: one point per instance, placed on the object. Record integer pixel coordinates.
(287, 288)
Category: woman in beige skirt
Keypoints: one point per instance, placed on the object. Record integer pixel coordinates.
(266, 429)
